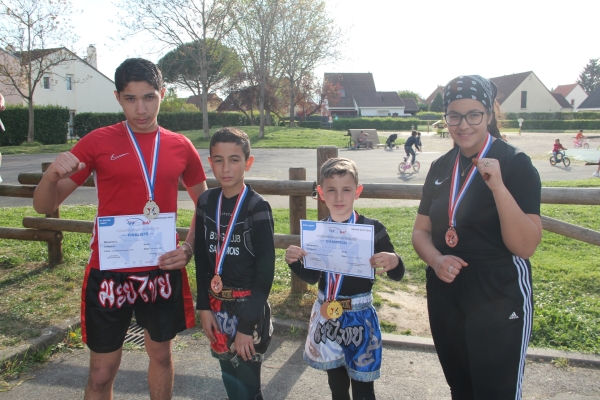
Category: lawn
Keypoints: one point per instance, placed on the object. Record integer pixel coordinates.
(565, 276)
(275, 137)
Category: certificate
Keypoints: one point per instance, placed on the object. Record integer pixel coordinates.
(133, 241)
(339, 248)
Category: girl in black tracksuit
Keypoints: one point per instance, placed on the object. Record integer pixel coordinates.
(479, 290)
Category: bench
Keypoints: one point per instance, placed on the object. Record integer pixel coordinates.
(355, 133)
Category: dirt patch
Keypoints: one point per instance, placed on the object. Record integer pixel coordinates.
(408, 310)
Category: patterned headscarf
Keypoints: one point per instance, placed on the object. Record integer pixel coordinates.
(471, 87)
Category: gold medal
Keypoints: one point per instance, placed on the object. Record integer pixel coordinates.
(334, 310)
(151, 210)
(323, 310)
(216, 284)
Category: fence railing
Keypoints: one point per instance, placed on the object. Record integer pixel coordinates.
(50, 229)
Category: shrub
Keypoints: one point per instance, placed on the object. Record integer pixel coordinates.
(383, 124)
(50, 125)
(175, 121)
(310, 124)
(547, 116)
(553, 125)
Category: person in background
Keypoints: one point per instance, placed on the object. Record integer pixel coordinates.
(477, 225)
(410, 142)
(419, 145)
(558, 148)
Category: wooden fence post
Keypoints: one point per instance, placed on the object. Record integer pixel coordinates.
(55, 254)
(324, 153)
(297, 212)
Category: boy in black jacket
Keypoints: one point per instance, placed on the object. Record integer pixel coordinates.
(347, 347)
(235, 266)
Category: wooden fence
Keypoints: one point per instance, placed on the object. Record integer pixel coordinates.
(50, 229)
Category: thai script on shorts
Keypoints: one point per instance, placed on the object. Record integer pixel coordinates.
(141, 286)
(333, 331)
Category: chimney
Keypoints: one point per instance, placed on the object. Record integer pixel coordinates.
(91, 56)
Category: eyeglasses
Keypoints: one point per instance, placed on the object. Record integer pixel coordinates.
(455, 119)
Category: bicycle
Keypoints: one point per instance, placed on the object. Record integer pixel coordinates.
(581, 143)
(404, 165)
(558, 158)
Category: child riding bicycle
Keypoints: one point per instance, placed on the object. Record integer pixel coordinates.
(558, 148)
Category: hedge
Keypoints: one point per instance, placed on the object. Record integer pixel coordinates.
(310, 124)
(176, 121)
(554, 125)
(51, 124)
(561, 116)
(430, 116)
(383, 124)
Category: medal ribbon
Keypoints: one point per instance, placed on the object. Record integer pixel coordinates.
(149, 179)
(456, 196)
(333, 282)
(222, 250)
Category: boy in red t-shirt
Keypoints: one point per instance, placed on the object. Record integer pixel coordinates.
(557, 148)
(137, 166)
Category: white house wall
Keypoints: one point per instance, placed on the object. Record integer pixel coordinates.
(578, 95)
(539, 98)
(91, 91)
(380, 112)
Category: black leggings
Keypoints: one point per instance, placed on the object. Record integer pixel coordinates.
(410, 152)
(339, 383)
(242, 382)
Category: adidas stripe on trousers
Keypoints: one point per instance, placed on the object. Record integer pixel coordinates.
(481, 324)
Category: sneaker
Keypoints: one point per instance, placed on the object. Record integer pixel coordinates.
(596, 174)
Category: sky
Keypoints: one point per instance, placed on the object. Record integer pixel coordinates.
(416, 45)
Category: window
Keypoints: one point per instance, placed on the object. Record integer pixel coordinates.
(342, 93)
(524, 99)
(572, 102)
(69, 82)
(46, 82)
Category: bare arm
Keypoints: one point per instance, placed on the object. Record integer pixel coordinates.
(445, 267)
(1, 102)
(181, 256)
(55, 186)
(521, 232)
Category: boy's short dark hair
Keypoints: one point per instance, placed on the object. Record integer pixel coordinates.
(338, 166)
(138, 70)
(232, 135)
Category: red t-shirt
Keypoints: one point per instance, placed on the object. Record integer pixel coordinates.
(108, 153)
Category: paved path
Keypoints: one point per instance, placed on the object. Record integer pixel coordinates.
(375, 166)
(406, 374)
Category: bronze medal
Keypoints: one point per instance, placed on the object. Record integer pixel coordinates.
(151, 210)
(451, 237)
(323, 310)
(216, 284)
(334, 310)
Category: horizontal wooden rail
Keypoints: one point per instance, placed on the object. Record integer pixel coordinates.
(570, 230)
(72, 225)
(550, 195)
(262, 186)
(16, 190)
(30, 234)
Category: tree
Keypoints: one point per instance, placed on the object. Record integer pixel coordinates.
(34, 34)
(176, 23)
(409, 94)
(181, 69)
(589, 78)
(172, 103)
(254, 43)
(437, 105)
(306, 37)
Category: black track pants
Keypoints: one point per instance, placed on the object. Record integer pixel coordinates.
(481, 324)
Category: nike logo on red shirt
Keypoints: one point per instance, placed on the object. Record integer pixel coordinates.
(113, 157)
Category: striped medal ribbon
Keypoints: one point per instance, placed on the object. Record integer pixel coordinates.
(216, 284)
(457, 195)
(151, 209)
(331, 308)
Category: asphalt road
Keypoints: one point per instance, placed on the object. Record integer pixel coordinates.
(375, 166)
(406, 374)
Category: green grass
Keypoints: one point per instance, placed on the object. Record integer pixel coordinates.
(565, 277)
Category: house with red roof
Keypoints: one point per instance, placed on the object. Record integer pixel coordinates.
(573, 93)
(358, 97)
